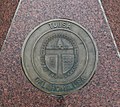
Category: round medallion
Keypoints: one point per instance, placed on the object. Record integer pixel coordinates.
(59, 56)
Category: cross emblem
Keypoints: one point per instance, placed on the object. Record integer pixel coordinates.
(60, 50)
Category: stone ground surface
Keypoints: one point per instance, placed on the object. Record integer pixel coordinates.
(112, 10)
(104, 88)
(7, 10)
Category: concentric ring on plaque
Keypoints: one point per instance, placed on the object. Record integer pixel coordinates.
(36, 53)
(77, 84)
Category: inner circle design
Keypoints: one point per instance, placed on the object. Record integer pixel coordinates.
(50, 76)
(59, 56)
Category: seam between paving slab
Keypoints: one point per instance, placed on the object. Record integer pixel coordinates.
(109, 28)
(11, 23)
(103, 15)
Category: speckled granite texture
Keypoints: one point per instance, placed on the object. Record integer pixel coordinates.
(7, 9)
(112, 10)
(16, 90)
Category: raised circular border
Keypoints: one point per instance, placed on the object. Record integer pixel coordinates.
(84, 67)
(27, 38)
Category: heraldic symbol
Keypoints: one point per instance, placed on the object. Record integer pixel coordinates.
(59, 55)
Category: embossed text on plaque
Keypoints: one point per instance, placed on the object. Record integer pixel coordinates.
(59, 56)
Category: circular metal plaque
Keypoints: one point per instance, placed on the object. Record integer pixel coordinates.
(59, 56)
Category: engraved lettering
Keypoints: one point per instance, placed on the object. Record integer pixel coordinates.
(40, 82)
(78, 82)
(68, 87)
(62, 59)
(57, 88)
(54, 25)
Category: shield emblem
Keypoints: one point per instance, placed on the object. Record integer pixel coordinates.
(68, 62)
(63, 65)
(51, 62)
(59, 56)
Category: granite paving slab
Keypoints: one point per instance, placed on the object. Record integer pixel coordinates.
(16, 90)
(112, 10)
(7, 10)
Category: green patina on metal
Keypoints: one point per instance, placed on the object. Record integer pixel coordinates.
(59, 56)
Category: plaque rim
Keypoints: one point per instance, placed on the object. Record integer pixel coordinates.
(37, 27)
(86, 63)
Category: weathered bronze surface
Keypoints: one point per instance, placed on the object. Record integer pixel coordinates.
(59, 56)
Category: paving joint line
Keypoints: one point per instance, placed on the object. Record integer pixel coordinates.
(103, 15)
(11, 24)
(118, 53)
